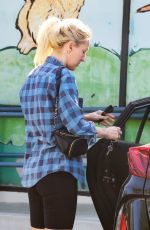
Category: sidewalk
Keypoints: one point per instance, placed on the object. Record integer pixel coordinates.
(14, 213)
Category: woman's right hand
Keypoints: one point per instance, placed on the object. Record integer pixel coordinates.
(113, 133)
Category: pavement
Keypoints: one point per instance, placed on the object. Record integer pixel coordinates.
(14, 213)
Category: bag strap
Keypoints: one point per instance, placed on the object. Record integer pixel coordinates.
(58, 82)
(58, 79)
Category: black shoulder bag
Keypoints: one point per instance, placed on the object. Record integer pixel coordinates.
(70, 144)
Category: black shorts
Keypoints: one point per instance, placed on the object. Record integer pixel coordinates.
(53, 201)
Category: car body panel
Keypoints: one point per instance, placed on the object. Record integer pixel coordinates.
(135, 214)
(134, 203)
(134, 198)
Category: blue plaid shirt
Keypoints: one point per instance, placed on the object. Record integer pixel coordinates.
(37, 97)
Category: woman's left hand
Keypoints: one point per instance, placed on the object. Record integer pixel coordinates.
(97, 116)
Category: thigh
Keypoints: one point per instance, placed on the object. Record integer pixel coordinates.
(59, 194)
(36, 208)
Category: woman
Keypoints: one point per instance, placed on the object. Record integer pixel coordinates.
(50, 177)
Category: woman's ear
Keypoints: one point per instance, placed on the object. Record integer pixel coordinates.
(71, 44)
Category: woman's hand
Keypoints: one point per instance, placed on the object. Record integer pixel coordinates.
(97, 116)
(113, 132)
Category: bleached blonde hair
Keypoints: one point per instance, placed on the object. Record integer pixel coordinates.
(55, 32)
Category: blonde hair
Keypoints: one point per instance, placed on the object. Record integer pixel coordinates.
(55, 32)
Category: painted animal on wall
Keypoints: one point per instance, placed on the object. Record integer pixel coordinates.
(34, 12)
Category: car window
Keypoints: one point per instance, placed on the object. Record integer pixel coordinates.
(133, 124)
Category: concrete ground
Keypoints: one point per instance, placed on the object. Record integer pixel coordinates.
(14, 213)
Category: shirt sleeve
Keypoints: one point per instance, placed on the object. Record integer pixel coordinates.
(70, 113)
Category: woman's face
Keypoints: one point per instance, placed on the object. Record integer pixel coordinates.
(76, 54)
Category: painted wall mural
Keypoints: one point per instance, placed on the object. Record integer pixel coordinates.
(98, 78)
(139, 51)
(33, 13)
(139, 21)
(19, 28)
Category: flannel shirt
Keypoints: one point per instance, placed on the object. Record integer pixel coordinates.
(37, 98)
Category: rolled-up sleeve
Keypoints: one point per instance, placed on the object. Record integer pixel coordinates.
(70, 113)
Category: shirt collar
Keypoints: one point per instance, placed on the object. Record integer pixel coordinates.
(54, 61)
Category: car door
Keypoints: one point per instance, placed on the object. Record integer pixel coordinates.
(107, 165)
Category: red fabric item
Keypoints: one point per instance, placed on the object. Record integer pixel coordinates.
(139, 161)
